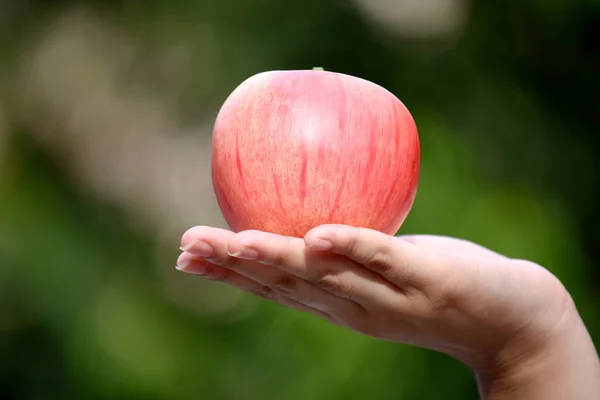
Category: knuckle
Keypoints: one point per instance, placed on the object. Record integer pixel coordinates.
(379, 261)
(263, 292)
(285, 284)
(308, 300)
(380, 258)
(219, 275)
(277, 255)
(216, 261)
(230, 262)
(332, 284)
(277, 259)
(353, 240)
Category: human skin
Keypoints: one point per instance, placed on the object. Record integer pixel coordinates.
(511, 321)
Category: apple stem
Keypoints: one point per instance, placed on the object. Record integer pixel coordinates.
(318, 69)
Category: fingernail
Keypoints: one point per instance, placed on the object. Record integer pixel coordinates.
(195, 269)
(199, 248)
(183, 266)
(245, 253)
(321, 245)
(189, 245)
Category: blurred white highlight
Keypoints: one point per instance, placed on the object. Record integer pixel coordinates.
(417, 19)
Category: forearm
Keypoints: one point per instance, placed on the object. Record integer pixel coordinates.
(568, 368)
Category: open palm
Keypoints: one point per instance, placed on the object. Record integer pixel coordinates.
(441, 293)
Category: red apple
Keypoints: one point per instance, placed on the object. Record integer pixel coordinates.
(296, 149)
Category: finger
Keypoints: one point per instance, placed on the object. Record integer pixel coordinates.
(212, 245)
(453, 246)
(331, 272)
(194, 239)
(395, 259)
(212, 272)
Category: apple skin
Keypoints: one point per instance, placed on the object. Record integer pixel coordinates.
(293, 150)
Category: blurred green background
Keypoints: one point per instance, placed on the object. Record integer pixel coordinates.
(106, 109)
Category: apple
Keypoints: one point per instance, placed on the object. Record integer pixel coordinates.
(292, 150)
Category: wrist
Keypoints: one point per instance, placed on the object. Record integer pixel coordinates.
(563, 364)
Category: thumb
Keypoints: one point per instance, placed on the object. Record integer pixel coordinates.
(397, 260)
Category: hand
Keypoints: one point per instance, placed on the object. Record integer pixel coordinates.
(435, 292)
(450, 295)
